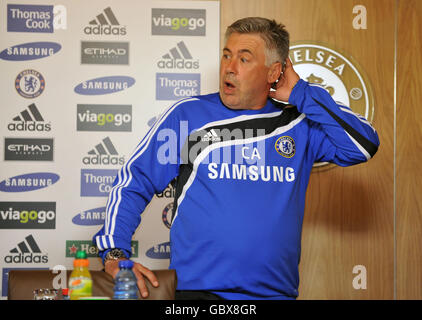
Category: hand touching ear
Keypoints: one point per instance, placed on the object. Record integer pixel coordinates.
(286, 83)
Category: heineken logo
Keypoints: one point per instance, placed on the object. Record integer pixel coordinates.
(73, 246)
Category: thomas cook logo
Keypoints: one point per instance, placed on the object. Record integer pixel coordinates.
(285, 146)
(337, 73)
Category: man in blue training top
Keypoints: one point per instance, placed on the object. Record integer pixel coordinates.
(240, 165)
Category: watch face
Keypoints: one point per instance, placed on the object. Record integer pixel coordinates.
(115, 254)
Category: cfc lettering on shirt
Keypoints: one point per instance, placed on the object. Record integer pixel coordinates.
(253, 173)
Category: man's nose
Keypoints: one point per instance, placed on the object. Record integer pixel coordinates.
(231, 66)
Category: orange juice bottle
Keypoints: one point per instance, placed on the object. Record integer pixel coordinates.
(80, 282)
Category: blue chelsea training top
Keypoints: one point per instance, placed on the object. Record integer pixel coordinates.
(240, 179)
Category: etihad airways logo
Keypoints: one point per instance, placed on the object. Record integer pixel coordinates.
(95, 52)
(28, 149)
(105, 23)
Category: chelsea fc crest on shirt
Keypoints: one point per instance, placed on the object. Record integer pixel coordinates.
(285, 146)
(338, 73)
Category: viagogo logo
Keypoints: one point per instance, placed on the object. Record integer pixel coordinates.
(104, 117)
(187, 22)
(27, 215)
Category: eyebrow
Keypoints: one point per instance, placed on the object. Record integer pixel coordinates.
(240, 51)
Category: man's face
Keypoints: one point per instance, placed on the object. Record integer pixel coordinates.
(243, 74)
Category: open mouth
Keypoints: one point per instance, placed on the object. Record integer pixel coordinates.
(229, 85)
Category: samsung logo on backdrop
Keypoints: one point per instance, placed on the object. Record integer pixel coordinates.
(104, 85)
(159, 251)
(30, 51)
(29, 182)
(90, 217)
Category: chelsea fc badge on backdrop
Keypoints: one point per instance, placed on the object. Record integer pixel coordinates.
(29, 84)
(285, 146)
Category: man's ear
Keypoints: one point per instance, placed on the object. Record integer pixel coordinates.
(274, 72)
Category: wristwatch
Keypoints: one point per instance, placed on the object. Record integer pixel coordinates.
(114, 254)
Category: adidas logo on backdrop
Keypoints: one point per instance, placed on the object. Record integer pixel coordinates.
(26, 251)
(104, 153)
(105, 23)
(178, 57)
(29, 119)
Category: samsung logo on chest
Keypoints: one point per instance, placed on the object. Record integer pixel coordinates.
(29, 182)
(104, 85)
(30, 51)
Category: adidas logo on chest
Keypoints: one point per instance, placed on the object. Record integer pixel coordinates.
(211, 136)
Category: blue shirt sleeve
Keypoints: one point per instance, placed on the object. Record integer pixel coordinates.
(338, 134)
(151, 167)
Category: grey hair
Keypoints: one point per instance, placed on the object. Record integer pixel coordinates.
(274, 35)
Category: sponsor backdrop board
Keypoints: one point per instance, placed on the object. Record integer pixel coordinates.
(81, 83)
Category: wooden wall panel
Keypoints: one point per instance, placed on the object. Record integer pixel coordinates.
(349, 216)
(409, 147)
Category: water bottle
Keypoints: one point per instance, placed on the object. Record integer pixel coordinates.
(125, 287)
